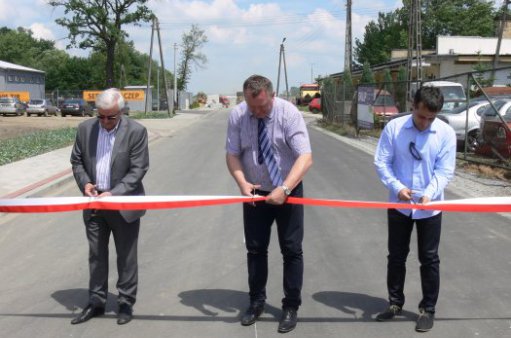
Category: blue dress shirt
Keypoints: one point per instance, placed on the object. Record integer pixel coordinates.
(427, 173)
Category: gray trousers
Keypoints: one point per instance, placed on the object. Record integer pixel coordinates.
(98, 225)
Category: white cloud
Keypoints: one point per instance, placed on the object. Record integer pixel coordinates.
(40, 31)
(6, 9)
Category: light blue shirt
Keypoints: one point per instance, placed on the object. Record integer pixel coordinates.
(287, 133)
(398, 169)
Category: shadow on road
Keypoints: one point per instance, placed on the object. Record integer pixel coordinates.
(73, 299)
(224, 300)
(350, 303)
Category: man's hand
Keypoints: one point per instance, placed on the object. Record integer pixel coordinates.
(405, 194)
(424, 200)
(105, 194)
(90, 190)
(276, 197)
(248, 189)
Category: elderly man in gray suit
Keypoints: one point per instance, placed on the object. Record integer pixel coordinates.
(109, 158)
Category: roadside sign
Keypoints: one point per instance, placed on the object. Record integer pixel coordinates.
(22, 96)
(129, 95)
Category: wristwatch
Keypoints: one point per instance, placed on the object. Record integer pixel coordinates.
(287, 191)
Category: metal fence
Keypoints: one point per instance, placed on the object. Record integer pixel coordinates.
(476, 104)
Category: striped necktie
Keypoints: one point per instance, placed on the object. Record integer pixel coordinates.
(266, 154)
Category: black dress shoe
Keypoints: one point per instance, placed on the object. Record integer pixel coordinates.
(125, 314)
(88, 312)
(253, 312)
(288, 320)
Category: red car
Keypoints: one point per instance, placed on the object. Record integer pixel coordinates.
(315, 105)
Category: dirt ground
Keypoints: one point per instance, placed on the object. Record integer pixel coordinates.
(12, 126)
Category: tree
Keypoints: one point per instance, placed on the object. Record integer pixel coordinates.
(98, 25)
(367, 74)
(456, 17)
(439, 17)
(401, 87)
(20, 47)
(191, 44)
(380, 37)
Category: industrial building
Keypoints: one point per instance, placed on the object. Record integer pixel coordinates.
(20, 81)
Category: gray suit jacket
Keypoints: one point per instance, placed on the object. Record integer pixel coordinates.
(129, 162)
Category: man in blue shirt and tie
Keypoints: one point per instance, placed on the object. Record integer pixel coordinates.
(268, 154)
(415, 160)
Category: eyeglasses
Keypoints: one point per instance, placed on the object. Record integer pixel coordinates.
(415, 153)
(109, 118)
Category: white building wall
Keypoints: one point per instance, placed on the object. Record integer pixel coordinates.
(471, 45)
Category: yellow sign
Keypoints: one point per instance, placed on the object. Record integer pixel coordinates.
(129, 95)
(22, 96)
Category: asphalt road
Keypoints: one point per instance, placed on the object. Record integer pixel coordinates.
(192, 261)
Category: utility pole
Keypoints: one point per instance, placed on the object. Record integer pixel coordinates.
(158, 87)
(496, 59)
(163, 69)
(414, 48)
(348, 44)
(175, 77)
(282, 57)
(149, 67)
(156, 26)
(312, 73)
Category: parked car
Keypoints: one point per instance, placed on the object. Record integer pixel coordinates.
(454, 93)
(76, 107)
(315, 105)
(383, 106)
(11, 106)
(457, 119)
(495, 134)
(41, 107)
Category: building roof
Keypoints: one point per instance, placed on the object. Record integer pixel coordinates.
(8, 65)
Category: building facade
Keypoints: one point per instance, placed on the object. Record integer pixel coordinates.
(19, 79)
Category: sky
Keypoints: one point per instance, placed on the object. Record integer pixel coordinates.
(244, 36)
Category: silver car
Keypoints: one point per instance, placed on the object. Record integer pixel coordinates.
(457, 118)
(11, 106)
(41, 107)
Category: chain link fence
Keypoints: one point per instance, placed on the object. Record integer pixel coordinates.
(476, 104)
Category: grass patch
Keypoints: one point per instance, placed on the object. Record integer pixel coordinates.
(35, 143)
(348, 129)
(150, 115)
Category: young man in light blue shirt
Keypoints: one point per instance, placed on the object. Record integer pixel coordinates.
(415, 160)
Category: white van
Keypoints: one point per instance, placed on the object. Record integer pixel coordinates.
(454, 94)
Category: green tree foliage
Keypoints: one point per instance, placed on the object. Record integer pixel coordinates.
(367, 74)
(20, 47)
(456, 17)
(191, 56)
(75, 73)
(439, 17)
(380, 37)
(98, 25)
(400, 86)
(347, 83)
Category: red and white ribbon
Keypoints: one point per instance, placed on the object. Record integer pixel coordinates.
(60, 204)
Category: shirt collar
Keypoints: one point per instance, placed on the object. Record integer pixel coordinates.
(432, 128)
(113, 131)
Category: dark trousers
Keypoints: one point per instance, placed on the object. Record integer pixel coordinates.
(98, 228)
(428, 238)
(258, 220)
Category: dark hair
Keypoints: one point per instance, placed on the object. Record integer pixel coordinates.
(257, 83)
(431, 97)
